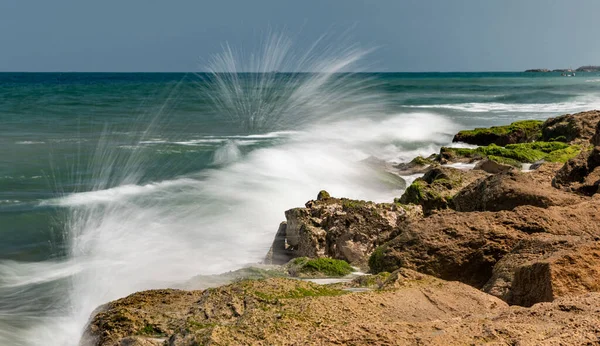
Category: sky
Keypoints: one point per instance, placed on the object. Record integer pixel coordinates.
(405, 35)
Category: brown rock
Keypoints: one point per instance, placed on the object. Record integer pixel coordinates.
(465, 246)
(449, 245)
(579, 127)
(492, 167)
(545, 267)
(579, 174)
(511, 189)
(413, 309)
(596, 138)
(338, 228)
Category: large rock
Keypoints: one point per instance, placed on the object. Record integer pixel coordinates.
(545, 267)
(578, 127)
(434, 191)
(413, 309)
(465, 246)
(449, 245)
(511, 189)
(517, 132)
(580, 174)
(343, 229)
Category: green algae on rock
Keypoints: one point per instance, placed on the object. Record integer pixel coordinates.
(318, 267)
(517, 132)
(435, 189)
(513, 153)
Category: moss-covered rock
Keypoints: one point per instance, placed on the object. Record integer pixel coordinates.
(517, 132)
(318, 267)
(435, 189)
(514, 153)
(323, 195)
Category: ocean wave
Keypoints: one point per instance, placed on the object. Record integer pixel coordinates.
(114, 194)
(29, 142)
(496, 107)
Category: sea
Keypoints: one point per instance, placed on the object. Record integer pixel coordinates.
(111, 183)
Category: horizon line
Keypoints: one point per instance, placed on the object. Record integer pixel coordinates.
(207, 72)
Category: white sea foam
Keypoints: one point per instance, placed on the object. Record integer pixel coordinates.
(578, 105)
(29, 142)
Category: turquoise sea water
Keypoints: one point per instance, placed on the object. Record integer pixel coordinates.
(112, 183)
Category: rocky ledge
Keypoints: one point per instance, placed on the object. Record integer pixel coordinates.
(492, 255)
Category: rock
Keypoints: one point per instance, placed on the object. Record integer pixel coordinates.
(508, 190)
(318, 267)
(323, 195)
(517, 132)
(342, 229)
(413, 309)
(596, 138)
(449, 245)
(578, 127)
(545, 267)
(283, 311)
(279, 253)
(580, 174)
(416, 166)
(538, 70)
(434, 191)
(465, 246)
(537, 164)
(513, 154)
(492, 167)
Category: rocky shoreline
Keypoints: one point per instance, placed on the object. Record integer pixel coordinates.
(493, 255)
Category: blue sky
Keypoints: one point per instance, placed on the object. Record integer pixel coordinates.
(409, 35)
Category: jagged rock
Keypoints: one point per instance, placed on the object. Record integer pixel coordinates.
(578, 127)
(517, 132)
(492, 167)
(545, 267)
(581, 173)
(511, 189)
(342, 229)
(434, 191)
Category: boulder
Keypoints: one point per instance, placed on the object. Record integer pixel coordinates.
(580, 174)
(505, 191)
(517, 132)
(465, 246)
(434, 191)
(342, 229)
(449, 245)
(545, 267)
(578, 127)
(492, 167)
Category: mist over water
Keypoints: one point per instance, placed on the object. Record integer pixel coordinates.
(152, 201)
